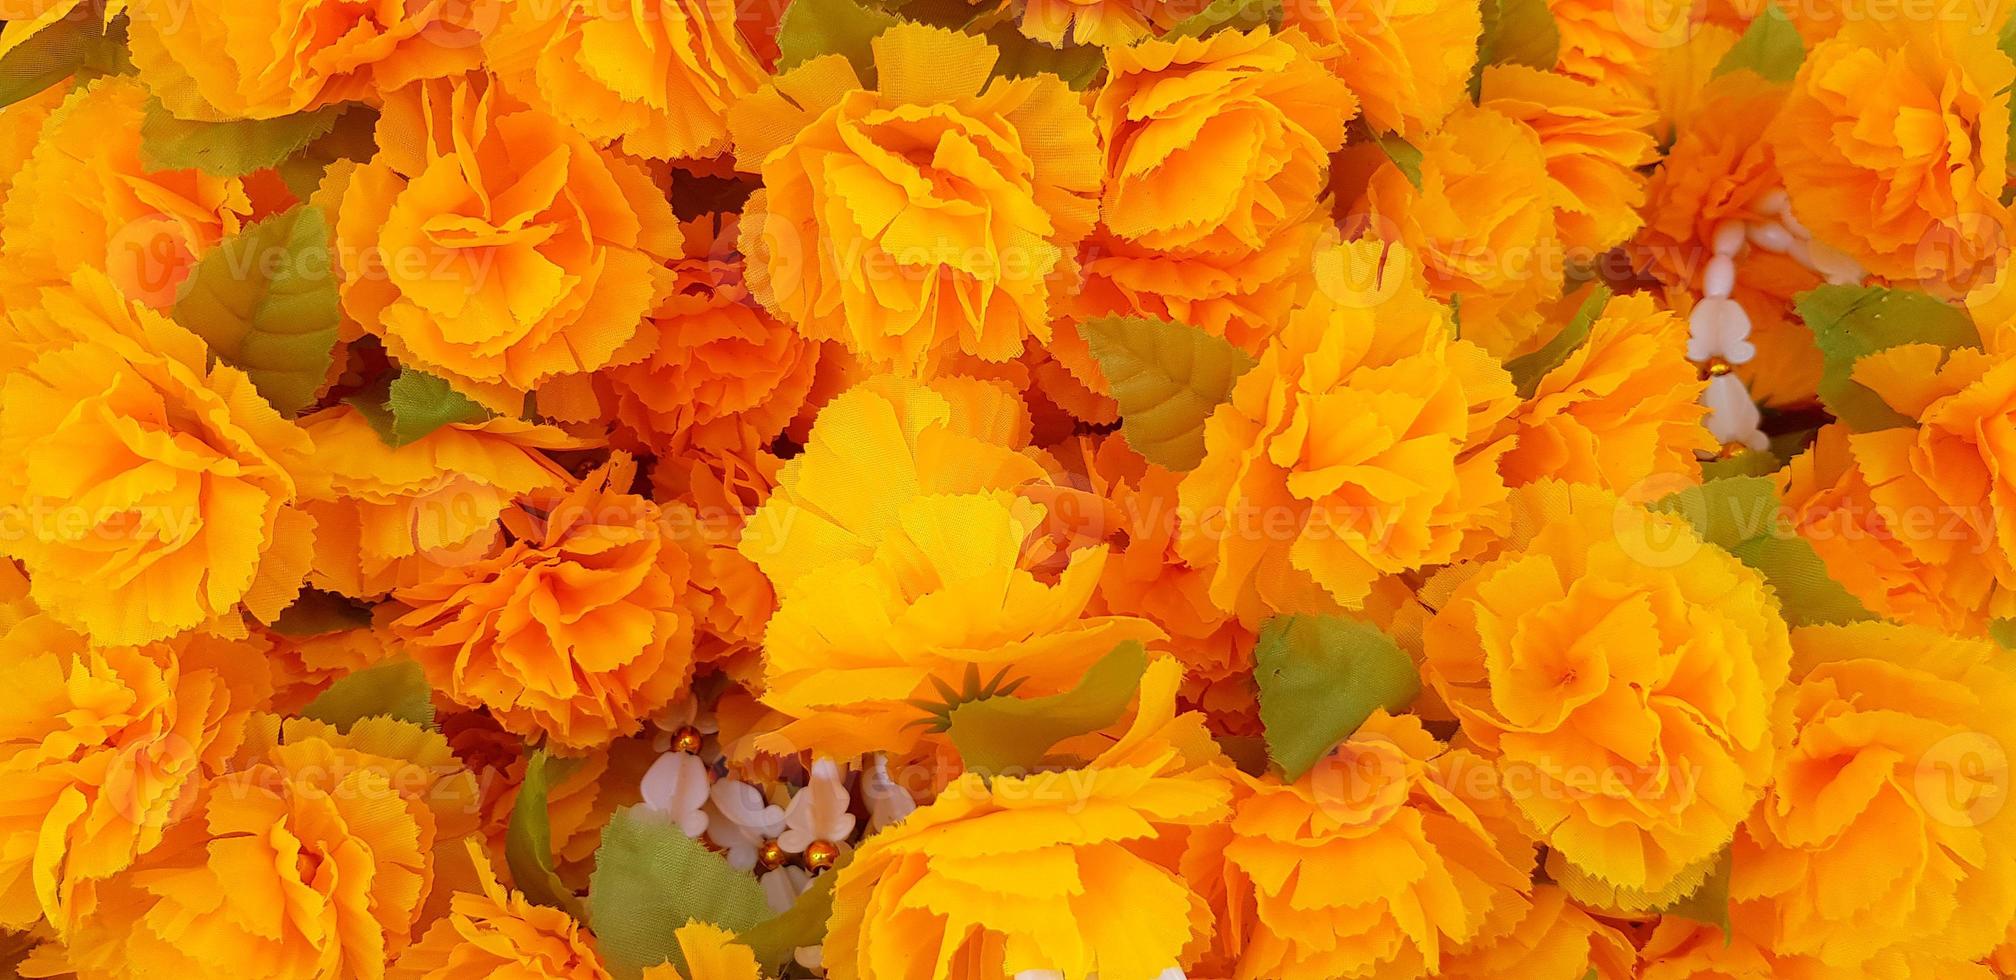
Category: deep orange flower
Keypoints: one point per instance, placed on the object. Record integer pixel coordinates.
(495, 932)
(575, 631)
(496, 247)
(1408, 62)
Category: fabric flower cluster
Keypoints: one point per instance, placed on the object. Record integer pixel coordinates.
(1036, 489)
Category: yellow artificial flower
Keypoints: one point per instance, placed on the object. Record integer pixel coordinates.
(1886, 829)
(1893, 143)
(1069, 871)
(1621, 673)
(656, 77)
(310, 860)
(1482, 223)
(495, 932)
(1594, 139)
(83, 199)
(1554, 940)
(711, 953)
(575, 631)
(27, 18)
(1360, 446)
(388, 518)
(496, 247)
(926, 215)
(1191, 173)
(1106, 23)
(1620, 410)
(101, 749)
(1407, 61)
(1380, 862)
(216, 60)
(152, 491)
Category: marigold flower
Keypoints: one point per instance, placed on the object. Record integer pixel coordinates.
(496, 247)
(1621, 673)
(1106, 23)
(152, 492)
(1554, 940)
(930, 213)
(1893, 144)
(1361, 445)
(1242, 296)
(1030, 872)
(720, 361)
(1225, 172)
(711, 953)
(1482, 222)
(83, 199)
(496, 932)
(1594, 139)
(101, 748)
(1407, 61)
(1830, 503)
(1622, 408)
(575, 631)
(1381, 862)
(388, 518)
(1950, 472)
(213, 60)
(1885, 827)
(708, 499)
(655, 76)
(304, 666)
(1619, 45)
(311, 860)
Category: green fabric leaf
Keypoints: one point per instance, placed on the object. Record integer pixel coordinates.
(1025, 57)
(1527, 371)
(1852, 322)
(650, 879)
(1752, 463)
(811, 28)
(396, 689)
(1709, 904)
(1519, 32)
(1743, 516)
(418, 403)
(80, 45)
(265, 302)
(528, 842)
(227, 149)
(1238, 15)
(353, 136)
(1770, 46)
(1006, 734)
(1167, 378)
(1406, 156)
(316, 613)
(803, 924)
(2003, 632)
(1320, 677)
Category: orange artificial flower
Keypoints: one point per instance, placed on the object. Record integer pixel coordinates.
(310, 860)
(152, 490)
(1360, 446)
(708, 498)
(1894, 143)
(1620, 410)
(1622, 675)
(303, 666)
(496, 247)
(656, 77)
(1554, 940)
(720, 361)
(1482, 222)
(1186, 173)
(388, 518)
(1864, 544)
(1071, 871)
(1594, 139)
(575, 631)
(1383, 861)
(101, 749)
(1407, 61)
(218, 60)
(929, 214)
(83, 199)
(1621, 44)
(498, 933)
(1106, 23)
(1886, 834)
